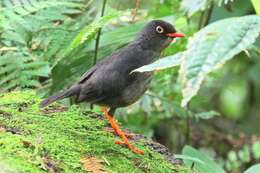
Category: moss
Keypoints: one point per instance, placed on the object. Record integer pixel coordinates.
(37, 141)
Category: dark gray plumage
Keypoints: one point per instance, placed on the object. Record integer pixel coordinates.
(109, 82)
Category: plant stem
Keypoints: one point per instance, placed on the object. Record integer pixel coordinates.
(200, 25)
(205, 16)
(98, 38)
(137, 6)
(209, 12)
(99, 33)
(188, 126)
(188, 130)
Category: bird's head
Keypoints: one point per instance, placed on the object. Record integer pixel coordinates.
(157, 35)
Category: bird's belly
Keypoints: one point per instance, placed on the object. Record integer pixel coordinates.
(132, 92)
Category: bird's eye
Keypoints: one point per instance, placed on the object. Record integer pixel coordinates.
(159, 29)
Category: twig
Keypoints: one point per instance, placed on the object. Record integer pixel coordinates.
(135, 11)
(187, 136)
(3, 49)
(99, 33)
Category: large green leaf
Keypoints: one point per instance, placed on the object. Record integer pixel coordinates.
(212, 47)
(256, 4)
(253, 169)
(167, 62)
(205, 165)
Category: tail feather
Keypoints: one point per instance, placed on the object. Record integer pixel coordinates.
(67, 93)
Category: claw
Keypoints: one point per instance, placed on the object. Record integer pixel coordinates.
(137, 151)
(130, 146)
(120, 133)
(128, 135)
(120, 143)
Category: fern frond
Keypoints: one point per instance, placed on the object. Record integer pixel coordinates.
(19, 70)
(34, 15)
(22, 25)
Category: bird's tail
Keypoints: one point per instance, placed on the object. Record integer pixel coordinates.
(67, 93)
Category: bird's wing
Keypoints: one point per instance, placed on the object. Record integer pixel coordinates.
(87, 75)
(111, 60)
(100, 85)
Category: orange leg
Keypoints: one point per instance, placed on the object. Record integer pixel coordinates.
(120, 133)
(128, 135)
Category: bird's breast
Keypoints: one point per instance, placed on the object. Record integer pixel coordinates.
(137, 85)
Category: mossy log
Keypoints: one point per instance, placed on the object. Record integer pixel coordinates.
(56, 139)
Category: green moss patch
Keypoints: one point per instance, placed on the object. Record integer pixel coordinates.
(55, 139)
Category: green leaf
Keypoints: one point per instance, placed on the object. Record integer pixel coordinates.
(256, 150)
(163, 63)
(233, 98)
(184, 157)
(209, 166)
(212, 46)
(207, 115)
(193, 6)
(90, 30)
(244, 154)
(253, 169)
(256, 4)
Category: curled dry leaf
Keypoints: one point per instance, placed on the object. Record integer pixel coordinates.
(92, 164)
(27, 144)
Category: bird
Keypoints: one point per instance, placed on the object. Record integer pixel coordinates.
(110, 83)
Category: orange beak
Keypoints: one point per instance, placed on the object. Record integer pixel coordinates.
(173, 35)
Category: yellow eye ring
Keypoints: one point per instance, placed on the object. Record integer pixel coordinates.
(159, 29)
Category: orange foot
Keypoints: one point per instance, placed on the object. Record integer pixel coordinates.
(128, 135)
(130, 146)
(120, 133)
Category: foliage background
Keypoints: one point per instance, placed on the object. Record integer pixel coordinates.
(48, 44)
